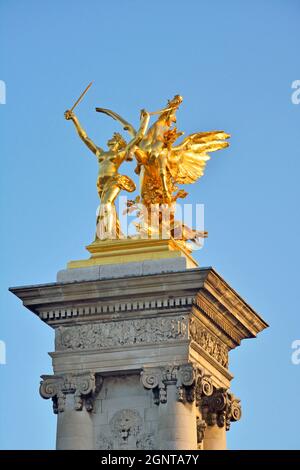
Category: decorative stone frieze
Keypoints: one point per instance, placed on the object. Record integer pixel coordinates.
(84, 387)
(103, 335)
(121, 333)
(209, 342)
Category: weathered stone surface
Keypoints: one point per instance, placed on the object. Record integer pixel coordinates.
(209, 342)
(174, 327)
(122, 421)
(112, 271)
(80, 274)
(200, 291)
(118, 333)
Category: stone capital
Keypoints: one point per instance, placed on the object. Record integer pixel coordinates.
(83, 386)
(192, 382)
(220, 408)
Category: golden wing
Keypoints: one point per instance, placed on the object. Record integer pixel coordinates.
(187, 161)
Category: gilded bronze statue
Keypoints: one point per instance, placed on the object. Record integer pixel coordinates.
(161, 166)
(110, 182)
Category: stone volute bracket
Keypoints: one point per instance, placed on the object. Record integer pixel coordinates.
(83, 386)
(192, 382)
(218, 406)
(221, 408)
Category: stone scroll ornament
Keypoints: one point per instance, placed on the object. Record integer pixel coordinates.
(84, 387)
(221, 408)
(192, 382)
(217, 406)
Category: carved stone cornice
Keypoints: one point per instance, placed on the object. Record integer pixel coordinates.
(199, 290)
(220, 408)
(106, 309)
(192, 382)
(84, 387)
(217, 317)
(227, 299)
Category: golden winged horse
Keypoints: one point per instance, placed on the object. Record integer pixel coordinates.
(162, 165)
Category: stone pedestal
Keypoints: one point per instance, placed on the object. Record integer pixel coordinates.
(141, 354)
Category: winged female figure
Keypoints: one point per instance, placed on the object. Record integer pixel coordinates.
(162, 165)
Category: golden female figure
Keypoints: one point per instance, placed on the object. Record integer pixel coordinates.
(110, 182)
(162, 165)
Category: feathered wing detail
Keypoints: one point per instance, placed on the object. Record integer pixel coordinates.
(187, 161)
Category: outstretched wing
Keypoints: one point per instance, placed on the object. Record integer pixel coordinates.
(126, 125)
(187, 161)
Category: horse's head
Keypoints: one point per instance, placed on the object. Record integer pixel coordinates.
(169, 114)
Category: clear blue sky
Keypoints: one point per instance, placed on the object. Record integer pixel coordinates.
(234, 63)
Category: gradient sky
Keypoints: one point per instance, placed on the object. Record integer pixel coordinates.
(234, 63)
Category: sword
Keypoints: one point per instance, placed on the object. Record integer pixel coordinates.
(81, 96)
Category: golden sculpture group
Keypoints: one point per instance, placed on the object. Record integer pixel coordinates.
(161, 166)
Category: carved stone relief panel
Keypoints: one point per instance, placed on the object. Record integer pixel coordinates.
(121, 333)
(209, 342)
(126, 431)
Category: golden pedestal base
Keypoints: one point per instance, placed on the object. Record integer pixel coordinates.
(132, 250)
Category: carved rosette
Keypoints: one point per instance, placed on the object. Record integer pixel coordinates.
(220, 408)
(192, 382)
(84, 387)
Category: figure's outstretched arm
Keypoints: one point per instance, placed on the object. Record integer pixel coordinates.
(69, 115)
(133, 144)
(144, 122)
(126, 125)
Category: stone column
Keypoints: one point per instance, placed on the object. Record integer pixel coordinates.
(218, 410)
(176, 390)
(177, 424)
(214, 438)
(72, 396)
(161, 316)
(74, 428)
